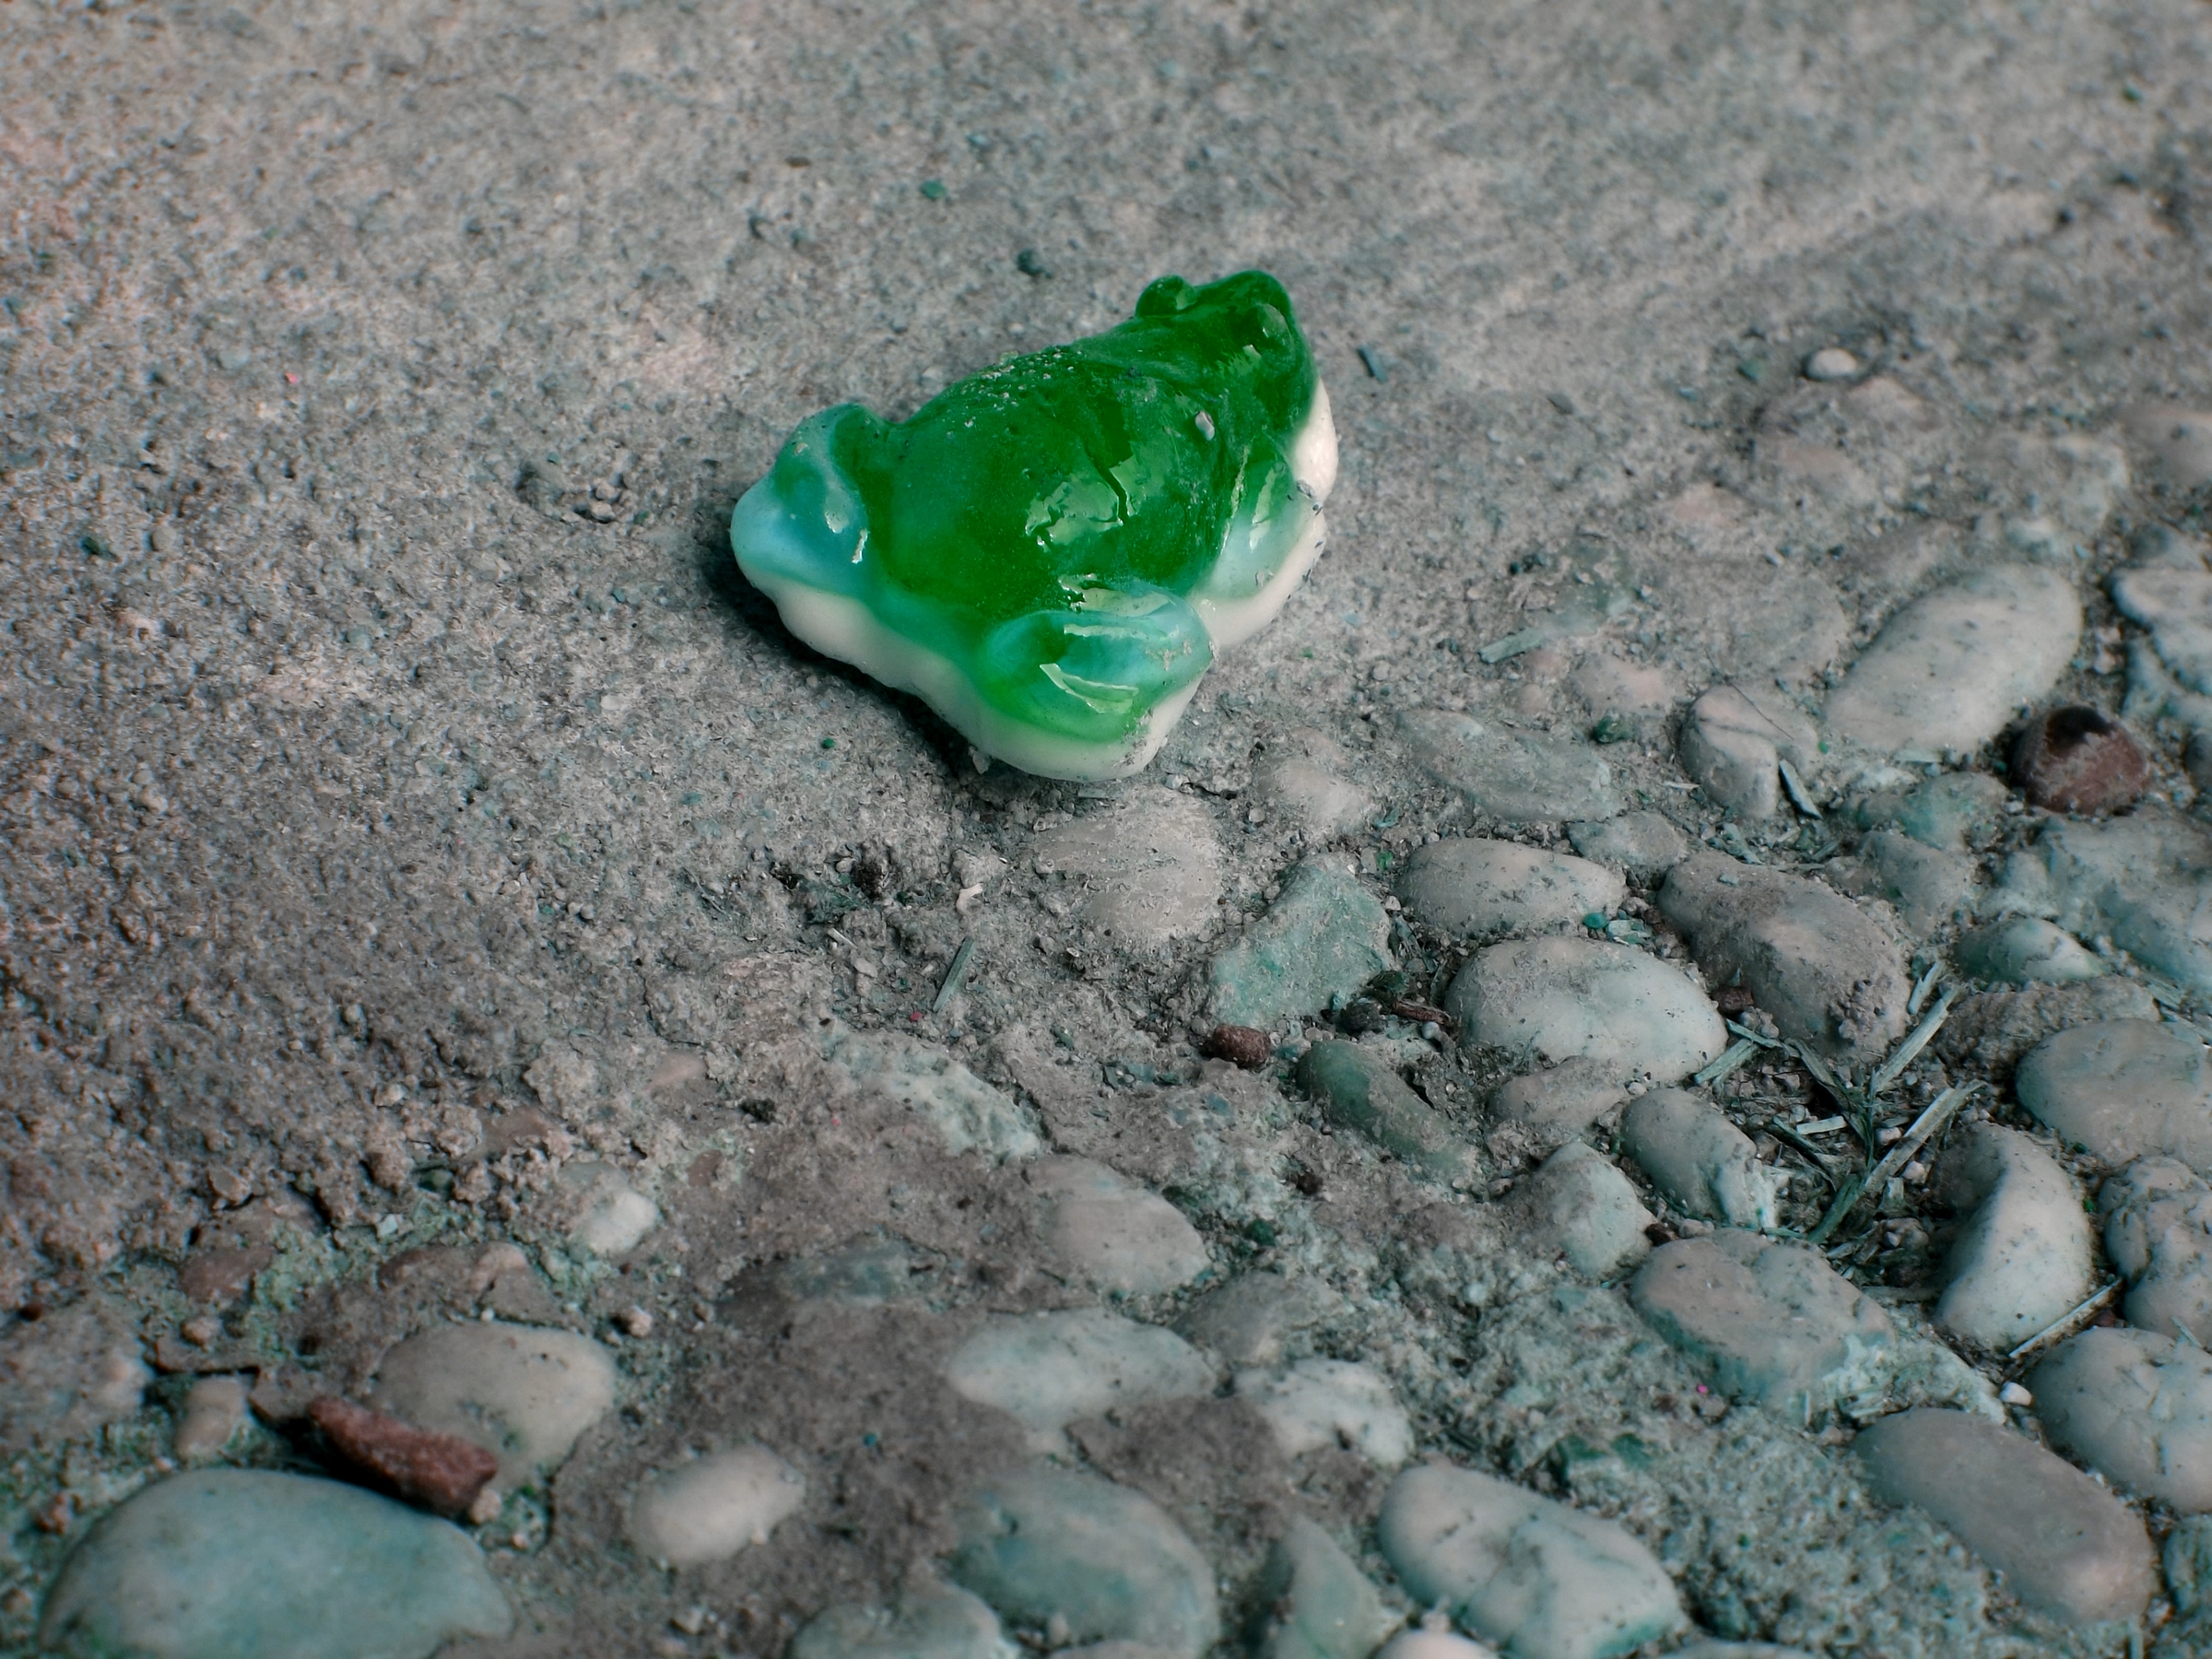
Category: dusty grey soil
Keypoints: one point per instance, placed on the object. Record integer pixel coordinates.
(407, 807)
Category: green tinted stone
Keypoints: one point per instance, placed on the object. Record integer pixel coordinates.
(1049, 552)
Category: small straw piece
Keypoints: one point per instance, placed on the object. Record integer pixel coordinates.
(955, 976)
(1734, 1056)
(1923, 1127)
(2067, 1323)
(1923, 1034)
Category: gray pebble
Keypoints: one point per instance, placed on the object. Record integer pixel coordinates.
(1580, 1206)
(1734, 741)
(932, 1621)
(2136, 1407)
(1475, 886)
(1298, 780)
(1357, 1089)
(522, 1393)
(1324, 937)
(1048, 1369)
(2157, 1231)
(2022, 1256)
(1516, 777)
(2125, 1090)
(2063, 1543)
(1703, 1163)
(1563, 998)
(1948, 671)
(1558, 1104)
(1930, 888)
(1313, 1601)
(1111, 1235)
(1642, 843)
(1260, 1319)
(2026, 951)
(2145, 879)
(1830, 975)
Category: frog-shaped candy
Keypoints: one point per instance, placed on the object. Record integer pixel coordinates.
(1049, 552)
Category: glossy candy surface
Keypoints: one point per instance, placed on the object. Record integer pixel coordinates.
(1049, 552)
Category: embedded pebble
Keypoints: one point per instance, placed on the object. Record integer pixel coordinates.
(1049, 1370)
(1049, 1547)
(2157, 1231)
(2022, 1256)
(523, 1395)
(1831, 976)
(1115, 1237)
(1644, 844)
(222, 1563)
(967, 1113)
(1298, 780)
(1950, 812)
(713, 1506)
(1324, 937)
(2125, 1090)
(1357, 1089)
(1149, 865)
(1930, 888)
(1734, 741)
(1703, 1163)
(2145, 879)
(1517, 777)
(1435, 1645)
(67, 1373)
(1313, 1601)
(2078, 759)
(2179, 438)
(1470, 885)
(1992, 1029)
(1541, 1580)
(1558, 1104)
(1258, 1319)
(2063, 1543)
(1318, 1402)
(1564, 999)
(2136, 1407)
(930, 1621)
(1579, 1206)
(615, 1217)
(1831, 363)
(442, 1472)
(1946, 673)
(214, 1411)
(2171, 596)
(2026, 951)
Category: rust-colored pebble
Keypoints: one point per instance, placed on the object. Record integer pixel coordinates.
(442, 1472)
(2077, 760)
(1243, 1045)
(1733, 1000)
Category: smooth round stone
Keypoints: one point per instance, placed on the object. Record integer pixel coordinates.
(2063, 1543)
(1324, 937)
(1704, 1164)
(1298, 780)
(1556, 1105)
(1434, 1644)
(1318, 1402)
(215, 1410)
(1316, 1602)
(939, 1622)
(251, 1564)
(523, 1395)
(967, 1113)
(2125, 1090)
(1735, 741)
(1049, 1370)
(1151, 863)
(1107, 1561)
(2027, 950)
(1642, 843)
(1115, 1237)
(1561, 999)
(1535, 1576)
(713, 1506)
(2136, 1407)
(2022, 1256)
(615, 1218)
(1948, 671)
(2158, 1229)
(1929, 888)
(1469, 885)
(1578, 1206)
(1831, 363)
(2145, 879)
(1516, 777)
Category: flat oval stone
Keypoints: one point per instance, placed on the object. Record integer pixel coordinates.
(2125, 1090)
(1642, 843)
(2063, 1543)
(1704, 1164)
(2145, 879)
(523, 1395)
(1048, 1369)
(1316, 1602)
(2022, 1256)
(2027, 950)
(1949, 671)
(933, 1621)
(1318, 1402)
(1578, 1205)
(1559, 999)
(1115, 1236)
(2136, 1407)
(1734, 742)
(712, 1507)
(252, 1564)
(1471, 885)
(1049, 1543)
(1541, 1580)
(1516, 777)
(2158, 1229)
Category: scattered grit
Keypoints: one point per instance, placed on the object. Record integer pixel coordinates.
(1631, 1080)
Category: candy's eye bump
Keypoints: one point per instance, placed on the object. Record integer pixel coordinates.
(1051, 552)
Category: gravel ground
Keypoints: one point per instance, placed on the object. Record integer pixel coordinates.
(418, 839)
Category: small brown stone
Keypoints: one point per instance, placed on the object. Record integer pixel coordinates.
(222, 1276)
(2077, 760)
(442, 1472)
(1732, 1000)
(1243, 1044)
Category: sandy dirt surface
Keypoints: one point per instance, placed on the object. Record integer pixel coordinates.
(418, 839)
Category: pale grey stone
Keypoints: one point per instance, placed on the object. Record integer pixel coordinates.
(2145, 879)
(1314, 1602)
(2125, 1090)
(1539, 1579)
(2175, 603)
(1643, 844)
(1831, 975)
(1048, 1369)
(1950, 671)
(1930, 888)
(1471, 885)
(2157, 1231)
(710, 1507)
(2063, 1543)
(523, 1395)
(1315, 1402)
(932, 1621)
(1323, 938)
(1261, 1319)
(2136, 1407)
(1733, 740)
(1558, 1104)
(1578, 1205)
(2022, 1256)
(1299, 779)
(1113, 1235)
(1564, 999)
(215, 1412)
(1517, 777)
(2027, 950)
(970, 1115)
(1703, 1163)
